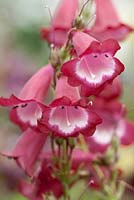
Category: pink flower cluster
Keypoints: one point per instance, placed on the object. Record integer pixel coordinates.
(83, 74)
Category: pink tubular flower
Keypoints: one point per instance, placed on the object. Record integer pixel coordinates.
(43, 182)
(107, 24)
(61, 23)
(95, 67)
(27, 150)
(68, 115)
(27, 108)
(113, 123)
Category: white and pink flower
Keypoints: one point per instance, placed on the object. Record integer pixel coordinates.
(95, 67)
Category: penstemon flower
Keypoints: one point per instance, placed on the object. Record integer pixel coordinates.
(68, 116)
(43, 183)
(95, 65)
(27, 150)
(61, 23)
(26, 108)
(107, 23)
(77, 135)
(113, 124)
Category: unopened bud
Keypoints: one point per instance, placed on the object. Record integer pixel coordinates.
(54, 57)
(78, 23)
(59, 141)
(71, 143)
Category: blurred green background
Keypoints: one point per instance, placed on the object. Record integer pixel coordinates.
(22, 52)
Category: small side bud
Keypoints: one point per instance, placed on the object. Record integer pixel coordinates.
(71, 143)
(54, 57)
(59, 141)
(78, 22)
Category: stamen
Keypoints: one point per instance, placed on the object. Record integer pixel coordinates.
(51, 19)
(93, 76)
(49, 10)
(67, 118)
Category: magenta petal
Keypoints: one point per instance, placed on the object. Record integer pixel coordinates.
(82, 41)
(28, 190)
(69, 120)
(57, 36)
(13, 100)
(118, 33)
(80, 157)
(27, 149)
(111, 46)
(23, 111)
(112, 90)
(64, 89)
(15, 119)
(65, 14)
(101, 138)
(61, 23)
(93, 71)
(37, 87)
(44, 182)
(112, 115)
(31, 113)
(125, 131)
(107, 24)
(68, 69)
(61, 101)
(95, 68)
(106, 14)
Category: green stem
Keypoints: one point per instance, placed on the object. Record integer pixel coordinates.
(66, 170)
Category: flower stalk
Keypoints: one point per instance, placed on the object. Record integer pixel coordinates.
(73, 138)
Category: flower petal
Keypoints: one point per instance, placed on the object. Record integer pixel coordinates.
(37, 87)
(69, 120)
(61, 23)
(82, 41)
(112, 90)
(93, 70)
(31, 113)
(125, 131)
(107, 24)
(65, 14)
(64, 89)
(24, 112)
(27, 149)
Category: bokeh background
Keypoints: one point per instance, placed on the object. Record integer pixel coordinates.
(22, 52)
